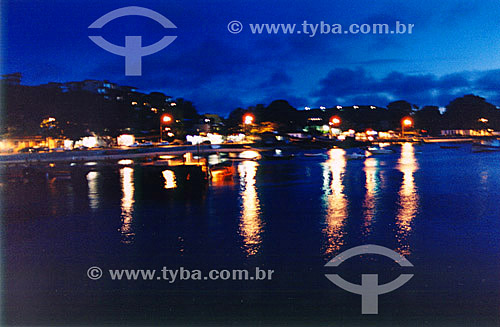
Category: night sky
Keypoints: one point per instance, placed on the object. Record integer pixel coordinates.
(454, 50)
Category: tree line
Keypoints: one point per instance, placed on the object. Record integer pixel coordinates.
(78, 113)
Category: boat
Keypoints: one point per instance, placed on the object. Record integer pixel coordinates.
(314, 155)
(486, 145)
(222, 170)
(377, 150)
(277, 155)
(355, 156)
(237, 159)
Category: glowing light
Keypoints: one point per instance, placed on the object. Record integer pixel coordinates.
(248, 119)
(335, 201)
(215, 138)
(166, 119)
(125, 140)
(127, 204)
(355, 107)
(90, 163)
(322, 108)
(371, 186)
(408, 197)
(307, 108)
(194, 139)
(335, 121)
(249, 154)
(482, 120)
(167, 157)
(68, 144)
(250, 224)
(90, 141)
(169, 177)
(236, 138)
(125, 162)
(407, 122)
(339, 107)
(92, 178)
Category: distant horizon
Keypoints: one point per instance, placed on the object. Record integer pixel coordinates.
(442, 109)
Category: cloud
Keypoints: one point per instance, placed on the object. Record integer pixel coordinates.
(276, 79)
(357, 86)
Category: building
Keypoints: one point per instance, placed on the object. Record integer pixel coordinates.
(468, 132)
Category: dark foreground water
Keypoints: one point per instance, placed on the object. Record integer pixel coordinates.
(438, 207)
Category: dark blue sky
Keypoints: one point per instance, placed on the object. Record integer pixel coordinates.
(453, 50)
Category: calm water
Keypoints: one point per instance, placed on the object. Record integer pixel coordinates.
(438, 207)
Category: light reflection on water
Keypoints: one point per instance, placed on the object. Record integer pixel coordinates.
(250, 227)
(170, 181)
(408, 198)
(334, 201)
(127, 204)
(372, 186)
(334, 197)
(92, 179)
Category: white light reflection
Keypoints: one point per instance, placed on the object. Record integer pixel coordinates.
(335, 200)
(92, 179)
(127, 204)
(408, 198)
(250, 224)
(169, 177)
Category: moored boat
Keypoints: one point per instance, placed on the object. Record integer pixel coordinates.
(486, 145)
(377, 150)
(355, 156)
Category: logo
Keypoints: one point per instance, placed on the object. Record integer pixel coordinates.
(133, 51)
(369, 288)
(234, 27)
(94, 273)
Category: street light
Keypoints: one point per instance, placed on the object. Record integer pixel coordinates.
(248, 119)
(335, 121)
(165, 119)
(406, 122)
